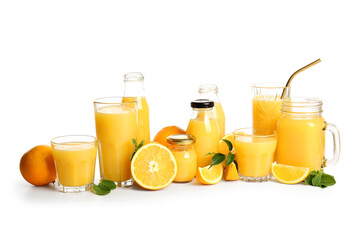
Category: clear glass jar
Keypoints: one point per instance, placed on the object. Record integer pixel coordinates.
(205, 129)
(301, 134)
(134, 89)
(210, 91)
(182, 146)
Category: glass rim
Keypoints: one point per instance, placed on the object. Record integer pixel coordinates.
(93, 139)
(133, 77)
(208, 87)
(244, 130)
(270, 85)
(307, 101)
(118, 101)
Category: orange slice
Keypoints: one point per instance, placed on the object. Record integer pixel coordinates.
(204, 175)
(289, 174)
(153, 166)
(231, 173)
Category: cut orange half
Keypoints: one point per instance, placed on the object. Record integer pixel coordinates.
(153, 166)
(204, 175)
(289, 174)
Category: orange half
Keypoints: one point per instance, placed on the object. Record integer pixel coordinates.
(153, 166)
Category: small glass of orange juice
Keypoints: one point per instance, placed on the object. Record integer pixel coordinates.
(254, 154)
(74, 157)
(266, 106)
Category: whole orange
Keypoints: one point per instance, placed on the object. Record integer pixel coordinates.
(165, 132)
(37, 166)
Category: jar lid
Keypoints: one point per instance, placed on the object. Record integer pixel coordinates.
(202, 103)
(181, 139)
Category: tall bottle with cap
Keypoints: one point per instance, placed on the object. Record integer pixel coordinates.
(134, 89)
(205, 129)
(210, 91)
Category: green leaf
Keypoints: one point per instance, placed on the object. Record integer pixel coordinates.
(141, 144)
(327, 180)
(217, 159)
(110, 184)
(309, 178)
(228, 143)
(134, 142)
(316, 181)
(97, 190)
(210, 153)
(230, 158)
(103, 186)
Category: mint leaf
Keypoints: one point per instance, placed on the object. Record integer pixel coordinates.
(137, 147)
(141, 144)
(327, 180)
(230, 158)
(103, 186)
(217, 159)
(230, 146)
(316, 181)
(109, 184)
(99, 191)
(309, 178)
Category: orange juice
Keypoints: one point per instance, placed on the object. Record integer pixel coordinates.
(143, 117)
(266, 113)
(181, 145)
(254, 153)
(116, 126)
(301, 141)
(75, 163)
(219, 116)
(205, 129)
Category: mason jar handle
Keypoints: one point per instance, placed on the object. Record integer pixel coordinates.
(336, 144)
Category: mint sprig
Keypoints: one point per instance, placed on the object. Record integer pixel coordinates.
(320, 179)
(219, 157)
(137, 147)
(104, 187)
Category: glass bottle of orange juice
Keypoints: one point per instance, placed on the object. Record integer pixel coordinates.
(210, 91)
(205, 129)
(182, 146)
(134, 89)
(301, 134)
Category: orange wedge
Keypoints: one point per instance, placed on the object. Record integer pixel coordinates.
(153, 166)
(289, 174)
(204, 175)
(231, 173)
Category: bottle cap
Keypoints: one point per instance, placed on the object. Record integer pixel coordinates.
(202, 103)
(181, 139)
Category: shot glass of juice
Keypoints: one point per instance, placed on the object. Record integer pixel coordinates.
(116, 127)
(266, 106)
(255, 154)
(74, 158)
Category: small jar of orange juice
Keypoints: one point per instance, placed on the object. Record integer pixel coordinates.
(182, 146)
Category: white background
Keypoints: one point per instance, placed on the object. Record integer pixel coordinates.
(57, 56)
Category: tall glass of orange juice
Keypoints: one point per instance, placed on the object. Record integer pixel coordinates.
(301, 135)
(210, 91)
(134, 90)
(116, 126)
(74, 158)
(255, 154)
(205, 129)
(266, 106)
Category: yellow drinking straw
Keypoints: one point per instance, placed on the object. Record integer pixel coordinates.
(298, 71)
